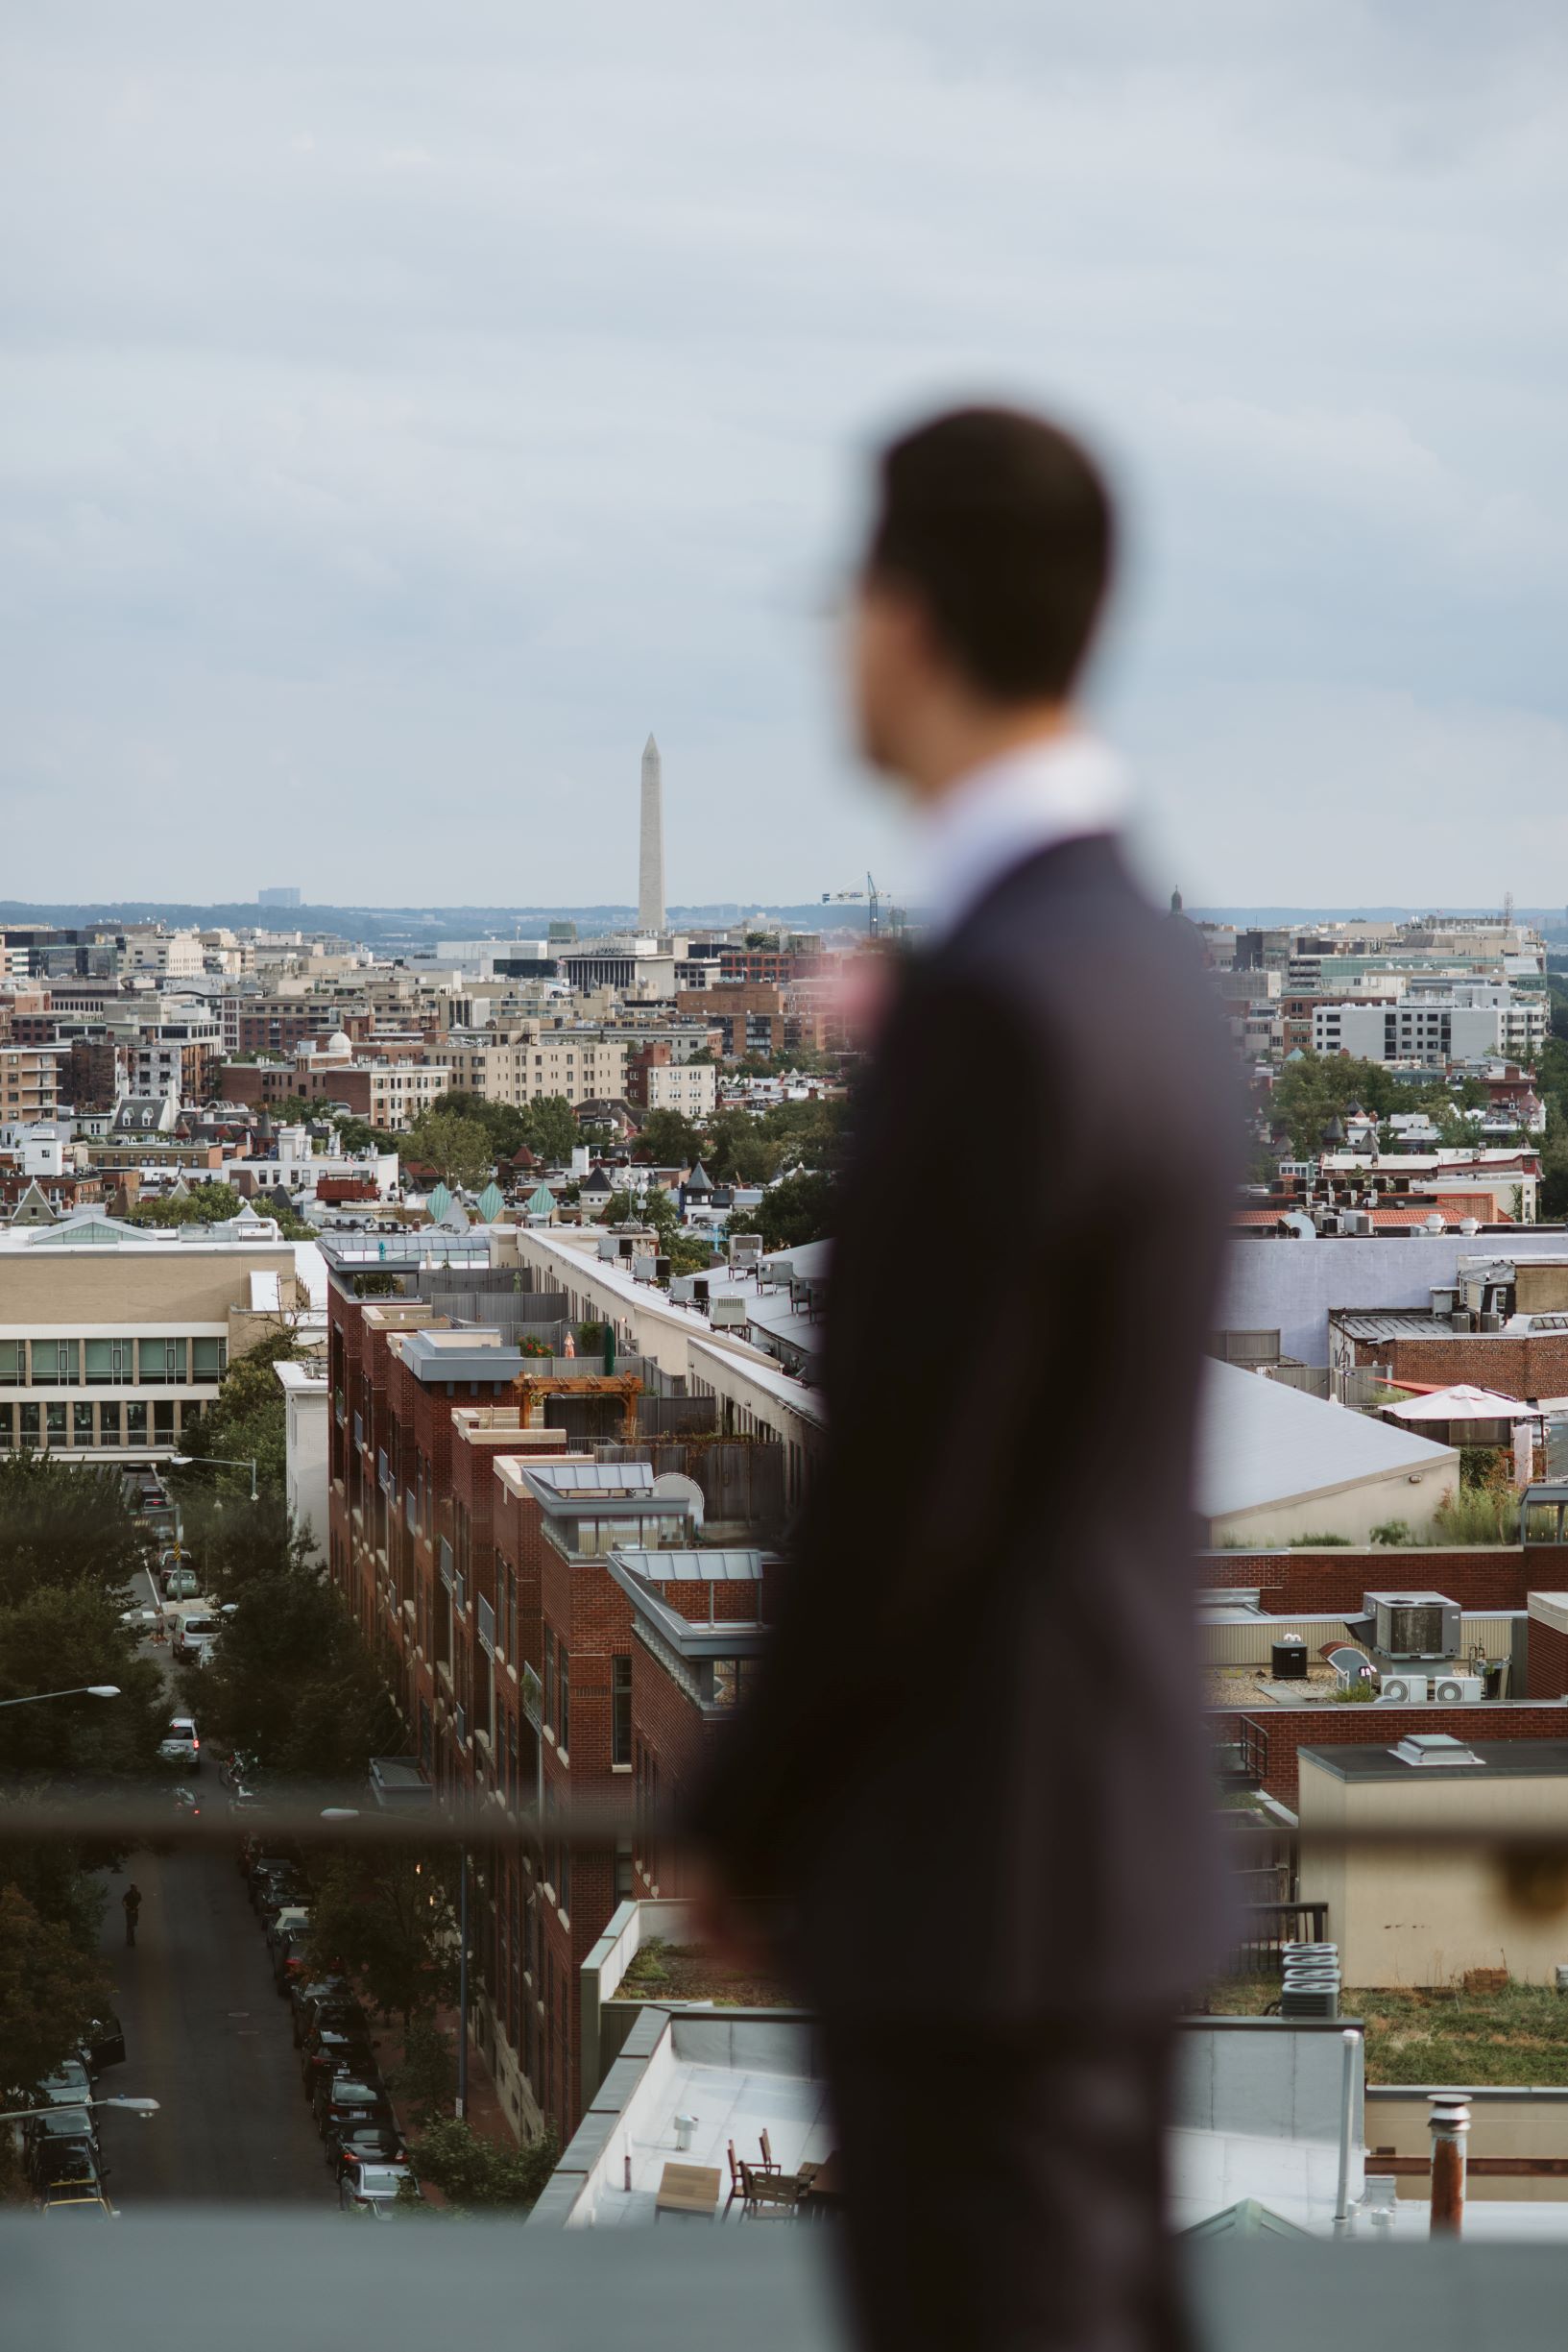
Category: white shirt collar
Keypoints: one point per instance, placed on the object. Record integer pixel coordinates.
(1009, 809)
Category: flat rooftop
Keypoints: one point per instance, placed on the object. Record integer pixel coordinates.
(1495, 1758)
(734, 2073)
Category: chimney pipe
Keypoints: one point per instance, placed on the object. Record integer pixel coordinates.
(1449, 2122)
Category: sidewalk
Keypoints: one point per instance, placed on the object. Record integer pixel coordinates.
(485, 2113)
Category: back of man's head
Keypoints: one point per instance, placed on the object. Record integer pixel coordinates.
(1000, 528)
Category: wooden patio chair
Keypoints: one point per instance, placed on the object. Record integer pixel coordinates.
(771, 2196)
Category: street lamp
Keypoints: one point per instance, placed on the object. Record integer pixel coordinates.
(78, 1691)
(133, 2106)
(229, 1461)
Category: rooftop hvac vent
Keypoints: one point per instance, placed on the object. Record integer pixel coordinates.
(1413, 1624)
(1310, 1980)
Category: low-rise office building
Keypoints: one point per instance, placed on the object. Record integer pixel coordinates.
(114, 1337)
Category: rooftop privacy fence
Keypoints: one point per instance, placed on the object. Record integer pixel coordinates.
(740, 1482)
(506, 1309)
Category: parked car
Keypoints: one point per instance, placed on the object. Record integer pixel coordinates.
(195, 1630)
(55, 2134)
(66, 2165)
(291, 1958)
(181, 1584)
(289, 1919)
(310, 1997)
(70, 2084)
(341, 2014)
(92, 2204)
(372, 2192)
(104, 2043)
(335, 2050)
(182, 1744)
(267, 1870)
(346, 2100)
(369, 2144)
(283, 1891)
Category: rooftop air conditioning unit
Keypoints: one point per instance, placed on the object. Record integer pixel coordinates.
(1356, 1221)
(1402, 1689)
(1458, 1689)
(1413, 1625)
(1491, 1322)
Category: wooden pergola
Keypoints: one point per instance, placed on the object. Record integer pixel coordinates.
(529, 1387)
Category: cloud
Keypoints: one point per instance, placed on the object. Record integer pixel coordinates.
(406, 415)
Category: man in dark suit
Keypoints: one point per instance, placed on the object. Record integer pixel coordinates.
(974, 1764)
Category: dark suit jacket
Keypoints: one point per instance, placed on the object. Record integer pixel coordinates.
(974, 1760)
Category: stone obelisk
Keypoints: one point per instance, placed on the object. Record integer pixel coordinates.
(650, 869)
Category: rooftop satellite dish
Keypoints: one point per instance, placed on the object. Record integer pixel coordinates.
(674, 1487)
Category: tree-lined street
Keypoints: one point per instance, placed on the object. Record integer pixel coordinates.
(207, 2037)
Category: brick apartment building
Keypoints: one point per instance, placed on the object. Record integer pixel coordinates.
(752, 1015)
(390, 1094)
(28, 1082)
(277, 1025)
(657, 1080)
(520, 1590)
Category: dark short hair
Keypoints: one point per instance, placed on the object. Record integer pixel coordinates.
(1002, 526)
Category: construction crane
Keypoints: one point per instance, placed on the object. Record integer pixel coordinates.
(868, 897)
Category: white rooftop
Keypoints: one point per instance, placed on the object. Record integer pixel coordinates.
(1262, 1442)
(734, 2073)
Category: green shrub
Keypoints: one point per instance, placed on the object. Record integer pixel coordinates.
(1476, 1515)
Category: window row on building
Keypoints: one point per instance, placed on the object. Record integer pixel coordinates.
(119, 1363)
(66, 1423)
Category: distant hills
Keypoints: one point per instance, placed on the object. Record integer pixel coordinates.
(375, 925)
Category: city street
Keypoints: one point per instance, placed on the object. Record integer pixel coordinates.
(207, 2035)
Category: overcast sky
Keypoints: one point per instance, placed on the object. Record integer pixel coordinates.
(406, 407)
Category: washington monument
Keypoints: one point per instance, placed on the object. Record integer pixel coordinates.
(650, 869)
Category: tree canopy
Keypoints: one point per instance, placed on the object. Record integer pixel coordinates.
(63, 1638)
(459, 1150)
(51, 1990)
(246, 1421)
(292, 1678)
(209, 1203)
(547, 1128)
(669, 1140)
(1322, 1086)
(63, 1523)
(384, 1918)
(798, 1209)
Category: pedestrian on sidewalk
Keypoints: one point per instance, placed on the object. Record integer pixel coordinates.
(131, 1899)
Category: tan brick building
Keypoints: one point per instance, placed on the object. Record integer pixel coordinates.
(528, 1062)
